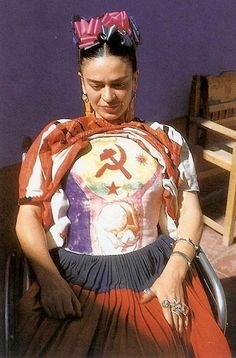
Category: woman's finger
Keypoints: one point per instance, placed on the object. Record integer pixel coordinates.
(77, 306)
(48, 308)
(180, 313)
(71, 305)
(59, 308)
(186, 322)
(176, 321)
(68, 308)
(147, 295)
(52, 311)
(168, 316)
(181, 324)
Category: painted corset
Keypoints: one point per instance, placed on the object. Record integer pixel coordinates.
(115, 197)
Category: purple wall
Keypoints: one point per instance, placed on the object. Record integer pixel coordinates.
(38, 79)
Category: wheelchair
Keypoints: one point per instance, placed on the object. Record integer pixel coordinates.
(18, 277)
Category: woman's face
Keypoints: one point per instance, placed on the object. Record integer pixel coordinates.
(110, 84)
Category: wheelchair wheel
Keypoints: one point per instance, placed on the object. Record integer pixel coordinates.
(16, 283)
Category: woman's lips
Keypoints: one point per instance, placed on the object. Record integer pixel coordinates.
(110, 109)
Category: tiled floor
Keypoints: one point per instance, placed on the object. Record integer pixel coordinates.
(222, 258)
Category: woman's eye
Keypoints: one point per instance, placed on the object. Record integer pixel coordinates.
(96, 87)
(119, 85)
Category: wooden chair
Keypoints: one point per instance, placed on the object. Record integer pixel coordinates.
(211, 131)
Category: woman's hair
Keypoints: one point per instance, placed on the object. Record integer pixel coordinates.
(112, 48)
(113, 34)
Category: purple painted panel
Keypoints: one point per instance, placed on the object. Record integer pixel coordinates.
(79, 215)
(38, 80)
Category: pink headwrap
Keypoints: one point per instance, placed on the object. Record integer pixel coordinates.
(89, 33)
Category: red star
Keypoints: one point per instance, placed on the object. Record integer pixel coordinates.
(112, 188)
(141, 159)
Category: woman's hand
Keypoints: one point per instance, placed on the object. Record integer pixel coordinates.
(168, 288)
(57, 298)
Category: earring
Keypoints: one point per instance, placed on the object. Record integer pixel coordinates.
(88, 109)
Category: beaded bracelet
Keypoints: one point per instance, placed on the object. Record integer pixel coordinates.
(189, 261)
(188, 241)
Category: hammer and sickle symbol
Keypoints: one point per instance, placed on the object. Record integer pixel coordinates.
(117, 164)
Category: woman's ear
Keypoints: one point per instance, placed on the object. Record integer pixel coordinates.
(82, 82)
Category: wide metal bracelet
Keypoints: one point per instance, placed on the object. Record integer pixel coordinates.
(180, 253)
(188, 241)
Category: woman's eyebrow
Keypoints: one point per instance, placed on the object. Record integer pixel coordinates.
(113, 81)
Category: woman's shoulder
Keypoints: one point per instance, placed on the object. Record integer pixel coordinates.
(59, 123)
(170, 131)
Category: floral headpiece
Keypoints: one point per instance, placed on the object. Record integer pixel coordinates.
(90, 33)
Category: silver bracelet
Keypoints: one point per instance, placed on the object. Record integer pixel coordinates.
(189, 261)
(188, 241)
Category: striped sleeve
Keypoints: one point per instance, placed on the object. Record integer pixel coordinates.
(31, 178)
(186, 168)
(188, 177)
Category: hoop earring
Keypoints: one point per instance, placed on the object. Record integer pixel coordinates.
(88, 109)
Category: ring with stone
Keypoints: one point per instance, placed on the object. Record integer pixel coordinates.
(185, 309)
(147, 291)
(165, 303)
(177, 309)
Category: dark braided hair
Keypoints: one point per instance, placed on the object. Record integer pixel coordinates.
(114, 48)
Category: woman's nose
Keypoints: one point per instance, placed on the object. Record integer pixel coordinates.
(108, 94)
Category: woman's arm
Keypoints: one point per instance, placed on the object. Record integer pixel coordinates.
(57, 298)
(170, 283)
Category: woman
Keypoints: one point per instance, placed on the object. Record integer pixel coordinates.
(98, 191)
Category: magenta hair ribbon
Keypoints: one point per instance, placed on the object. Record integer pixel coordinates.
(87, 32)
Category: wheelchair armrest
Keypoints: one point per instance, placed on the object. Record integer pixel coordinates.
(214, 286)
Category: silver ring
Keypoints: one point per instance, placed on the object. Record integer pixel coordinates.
(147, 291)
(177, 309)
(185, 309)
(165, 303)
